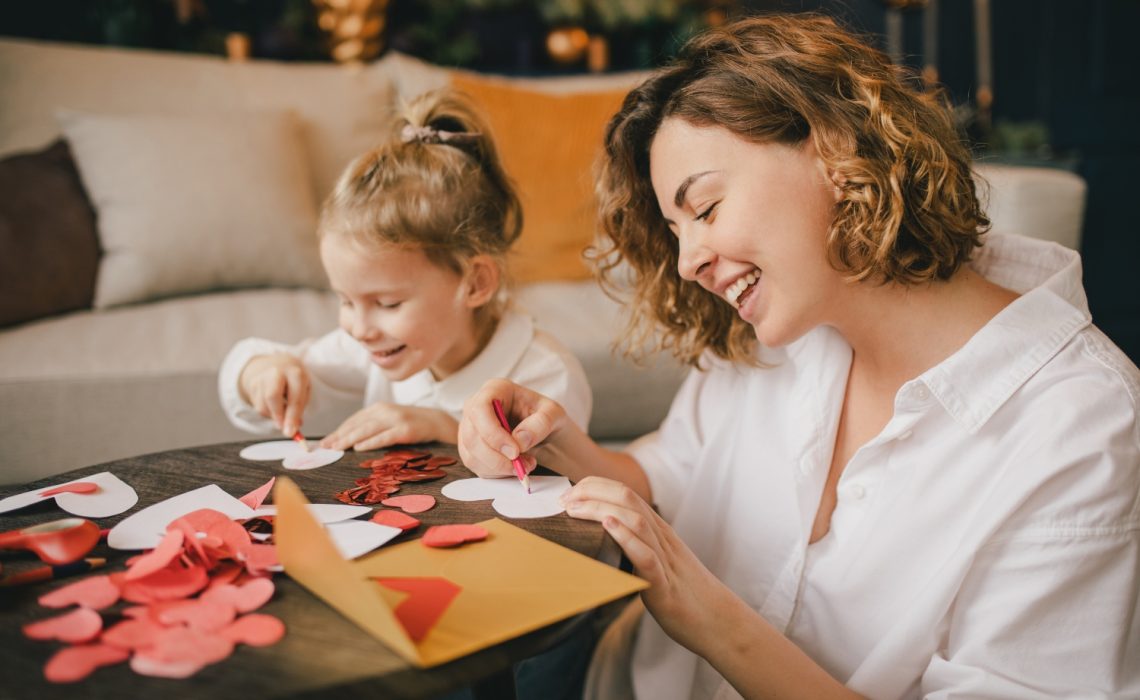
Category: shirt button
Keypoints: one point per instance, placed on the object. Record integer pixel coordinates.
(905, 435)
(922, 393)
(856, 492)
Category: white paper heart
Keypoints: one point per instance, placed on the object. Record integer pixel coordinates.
(509, 497)
(292, 454)
(113, 496)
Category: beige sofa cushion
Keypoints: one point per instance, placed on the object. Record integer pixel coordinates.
(342, 110)
(194, 204)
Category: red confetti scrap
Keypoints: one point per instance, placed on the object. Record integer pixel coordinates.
(453, 535)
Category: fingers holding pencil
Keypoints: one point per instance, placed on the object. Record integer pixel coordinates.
(486, 446)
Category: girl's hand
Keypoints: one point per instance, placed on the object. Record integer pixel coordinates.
(681, 589)
(485, 447)
(277, 386)
(383, 424)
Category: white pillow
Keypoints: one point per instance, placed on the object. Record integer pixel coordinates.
(196, 203)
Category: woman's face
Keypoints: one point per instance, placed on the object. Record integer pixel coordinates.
(751, 222)
(408, 312)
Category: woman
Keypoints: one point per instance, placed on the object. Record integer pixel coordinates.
(906, 463)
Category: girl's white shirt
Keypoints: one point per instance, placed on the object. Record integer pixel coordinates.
(342, 373)
(985, 544)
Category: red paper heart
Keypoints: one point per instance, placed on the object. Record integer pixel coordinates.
(79, 487)
(180, 652)
(245, 598)
(256, 497)
(137, 633)
(71, 664)
(428, 599)
(96, 592)
(159, 557)
(453, 535)
(411, 504)
(173, 582)
(256, 630)
(199, 614)
(394, 518)
(79, 625)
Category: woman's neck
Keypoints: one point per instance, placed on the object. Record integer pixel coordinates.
(897, 332)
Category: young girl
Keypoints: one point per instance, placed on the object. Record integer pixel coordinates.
(908, 465)
(413, 239)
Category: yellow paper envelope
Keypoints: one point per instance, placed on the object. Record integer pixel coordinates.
(513, 582)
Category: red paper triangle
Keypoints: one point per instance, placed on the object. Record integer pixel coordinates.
(430, 596)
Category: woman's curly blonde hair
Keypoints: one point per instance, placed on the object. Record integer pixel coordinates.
(908, 212)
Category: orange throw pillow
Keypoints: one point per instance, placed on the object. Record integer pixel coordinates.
(548, 144)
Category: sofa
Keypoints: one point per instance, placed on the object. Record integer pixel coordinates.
(158, 207)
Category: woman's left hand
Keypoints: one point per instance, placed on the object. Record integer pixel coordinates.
(384, 424)
(680, 587)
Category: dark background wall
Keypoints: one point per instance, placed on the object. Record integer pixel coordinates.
(1065, 76)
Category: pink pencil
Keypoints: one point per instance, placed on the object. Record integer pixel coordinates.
(300, 439)
(520, 468)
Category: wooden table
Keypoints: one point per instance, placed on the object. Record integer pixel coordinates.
(322, 654)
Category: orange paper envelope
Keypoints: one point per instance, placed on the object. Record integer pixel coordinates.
(512, 583)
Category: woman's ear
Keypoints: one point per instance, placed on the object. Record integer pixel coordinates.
(838, 180)
(481, 281)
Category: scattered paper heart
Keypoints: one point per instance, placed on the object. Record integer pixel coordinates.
(416, 503)
(453, 535)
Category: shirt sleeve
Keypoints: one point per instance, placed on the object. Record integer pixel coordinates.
(1048, 606)
(550, 369)
(1047, 616)
(669, 455)
(338, 370)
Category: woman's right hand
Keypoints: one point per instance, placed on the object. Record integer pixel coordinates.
(277, 386)
(486, 448)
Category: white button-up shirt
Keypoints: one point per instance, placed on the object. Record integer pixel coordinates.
(985, 544)
(344, 378)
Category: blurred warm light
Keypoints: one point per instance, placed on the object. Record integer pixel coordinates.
(354, 27)
(567, 44)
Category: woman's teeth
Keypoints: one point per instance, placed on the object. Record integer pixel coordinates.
(737, 288)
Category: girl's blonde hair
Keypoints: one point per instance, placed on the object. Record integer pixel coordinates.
(908, 213)
(435, 184)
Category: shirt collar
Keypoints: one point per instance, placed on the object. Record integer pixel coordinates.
(981, 376)
(512, 337)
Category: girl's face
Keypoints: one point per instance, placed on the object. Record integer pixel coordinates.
(408, 312)
(751, 222)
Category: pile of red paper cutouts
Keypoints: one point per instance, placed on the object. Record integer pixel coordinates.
(392, 470)
(192, 594)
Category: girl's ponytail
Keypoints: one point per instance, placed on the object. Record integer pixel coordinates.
(436, 183)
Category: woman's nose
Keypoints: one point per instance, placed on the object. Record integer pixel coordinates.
(693, 258)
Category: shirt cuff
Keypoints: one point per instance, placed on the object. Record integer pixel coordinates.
(240, 413)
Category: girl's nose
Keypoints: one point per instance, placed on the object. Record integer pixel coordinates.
(361, 327)
(693, 258)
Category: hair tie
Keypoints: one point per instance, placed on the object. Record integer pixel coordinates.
(428, 134)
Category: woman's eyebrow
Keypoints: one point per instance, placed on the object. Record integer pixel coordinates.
(683, 188)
